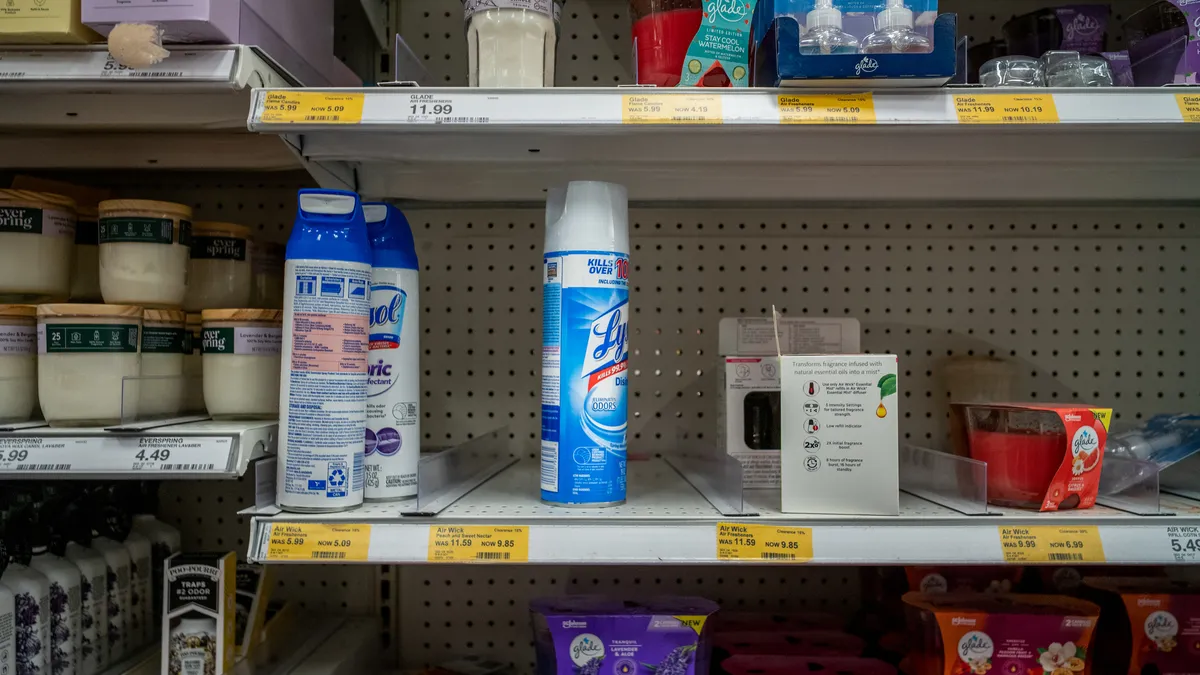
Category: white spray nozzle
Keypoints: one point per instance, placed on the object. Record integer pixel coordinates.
(895, 16)
(824, 14)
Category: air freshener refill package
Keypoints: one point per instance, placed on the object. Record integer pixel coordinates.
(199, 613)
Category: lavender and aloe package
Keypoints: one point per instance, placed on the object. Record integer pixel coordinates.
(592, 635)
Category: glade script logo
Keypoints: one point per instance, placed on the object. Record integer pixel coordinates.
(606, 340)
(1085, 441)
(975, 646)
(586, 647)
(1161, 625)
(936, 583)
(1082, 25)
(733, 11)
(867, 65)
(22, 218)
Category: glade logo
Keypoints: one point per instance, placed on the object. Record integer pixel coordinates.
(606, 340)
(936, 583)
(22, 218)
(975, 646)
(586, 647)
(867, 65)
(1082, 25)
(1161, 625)
(1085, 441)
(733, 11)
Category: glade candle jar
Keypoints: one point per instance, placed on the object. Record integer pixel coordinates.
(144, 251)
(220, 273)
(85, 271)
(37, 235)
(18, 362)
(510, 43)
(242, 349)
(85, 354)
(162, 385)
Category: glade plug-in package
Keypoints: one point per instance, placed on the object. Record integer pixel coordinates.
(860, 18)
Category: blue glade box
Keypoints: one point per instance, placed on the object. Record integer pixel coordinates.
(776, 61)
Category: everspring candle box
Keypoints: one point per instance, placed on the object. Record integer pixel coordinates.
(840, 434)
(748, 416)
(199, 613)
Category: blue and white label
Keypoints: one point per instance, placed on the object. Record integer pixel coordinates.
(585, 357)
(393, 440)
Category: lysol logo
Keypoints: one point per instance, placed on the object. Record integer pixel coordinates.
(606, 340)
(387, 316)
(867, 65)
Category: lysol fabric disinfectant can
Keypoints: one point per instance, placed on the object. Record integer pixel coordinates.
(585, 352)
(323, 381)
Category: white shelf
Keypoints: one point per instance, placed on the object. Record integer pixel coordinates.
(76, 108)
(509, 145)
(206, 449)
(666, 521)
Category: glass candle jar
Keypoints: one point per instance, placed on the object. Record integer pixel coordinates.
(242, 350)
(144, 252)
(266, 261)
(85, 352)
(162, 379)
(37, 234)
(220, 273)
(193, 366)
(18, 362)
(85, 272)
(511, 43)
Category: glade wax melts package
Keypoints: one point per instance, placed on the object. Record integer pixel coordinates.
(1164, 43)
(1078, 28)
(965, 579)
(840, 434)
(587, 635)
(252, 597)
(791, 665)
(978, 634)
(199, 614)
(786, 643)
(749, 414)
(1039, 456)
(1146, 625)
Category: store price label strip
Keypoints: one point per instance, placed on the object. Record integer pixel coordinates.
(151, 455)
(215, 65)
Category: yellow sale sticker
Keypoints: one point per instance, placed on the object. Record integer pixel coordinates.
(765, 543)
(1189, 105)
(1052, 544)
(478, 543)
(1005, 108)
(671, 109)
(295, 542)
(296, 106)
(827, 108)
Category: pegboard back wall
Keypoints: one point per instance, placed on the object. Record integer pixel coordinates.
(1093, 305)
(595, 47)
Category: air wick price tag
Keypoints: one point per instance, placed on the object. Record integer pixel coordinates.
(1184, 543)
(1052, 544)
(827, 108)
(306, 542)
(1189, 105)
(294, 106)
(671, 109)
(737, 541)
(478, 543)
(1005, 109)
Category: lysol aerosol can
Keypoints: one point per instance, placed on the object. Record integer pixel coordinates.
(323, 381)
(585, 320)
(393, 443)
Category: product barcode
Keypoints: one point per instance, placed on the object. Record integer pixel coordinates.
(493, 555)
(462, 120)
(44, 467)
(1019, 118)
(770, 555)
(1065, 557)
(11, 76)
(839, 118)
(170, 73)
(329, 555)
(550, 468)
(187, 467)
(322, 118)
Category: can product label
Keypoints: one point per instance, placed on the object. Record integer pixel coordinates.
(324, 387)
(393, 402)
(585, 384)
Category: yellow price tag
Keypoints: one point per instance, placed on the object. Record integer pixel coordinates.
(297, 106)
(1189, 105)
(827, 108)
(671, 109)
(1052, 544)
(318, 541)
(1005, 108)
(478, 543)
(767, 543)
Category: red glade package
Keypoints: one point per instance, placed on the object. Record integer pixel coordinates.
(1146, 626)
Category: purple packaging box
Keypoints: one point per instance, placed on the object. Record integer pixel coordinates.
(595, 635)
(1083, 27)
(1080, 28)
(1122, 71)
(1164, 43)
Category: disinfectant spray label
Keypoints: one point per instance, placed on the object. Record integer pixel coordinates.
(393, 403)
(585, 384)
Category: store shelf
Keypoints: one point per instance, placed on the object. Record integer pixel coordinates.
(205, 449)
(666, 521)
(76, 108)
(444, 144)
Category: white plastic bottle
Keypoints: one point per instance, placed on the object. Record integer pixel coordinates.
(393, 445)
(323, 382)
(8, 626)
(116, 586)
(165, 541)
(93, 605)
(65, 587)
(141, 591)
(31, 600)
